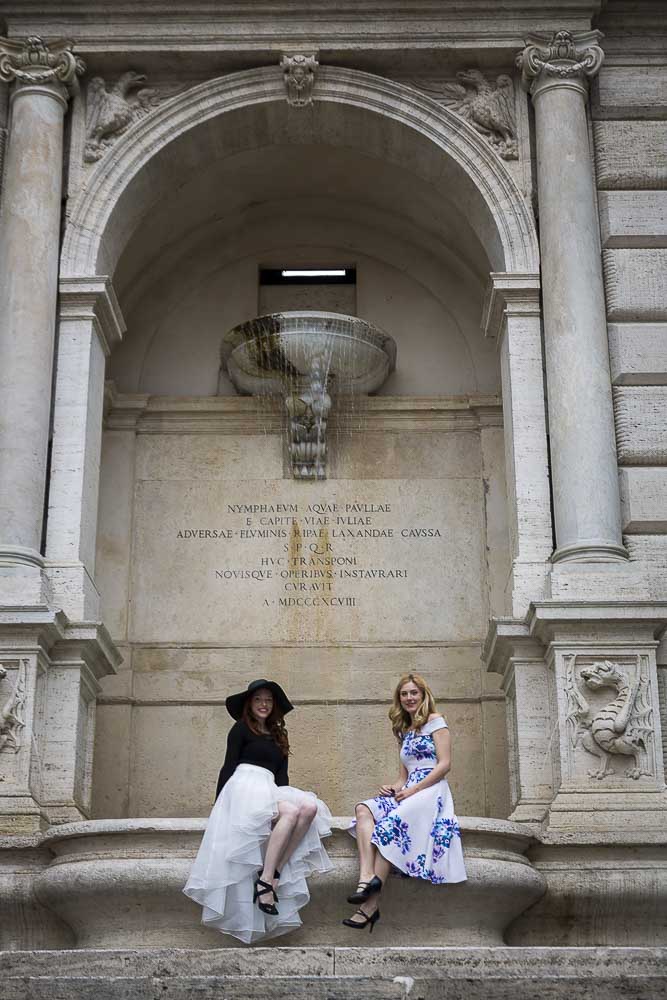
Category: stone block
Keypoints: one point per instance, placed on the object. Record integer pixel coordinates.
(406, 455)
(633, 219)
(644, 500)
(630, 92)
(630, 154)
(114, 535)
(111, 770)
(178, 750)
(641, 424)
(580, 907)
(218, 457)
(342, 674)
(635, 284)
(638, 353)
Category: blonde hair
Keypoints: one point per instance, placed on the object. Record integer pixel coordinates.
(399, 718)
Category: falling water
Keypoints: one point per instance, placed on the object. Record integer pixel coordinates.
(319, 363)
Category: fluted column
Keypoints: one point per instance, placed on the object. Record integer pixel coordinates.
(555, 69)
(29, 247)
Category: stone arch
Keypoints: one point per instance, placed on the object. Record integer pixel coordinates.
(101, 216)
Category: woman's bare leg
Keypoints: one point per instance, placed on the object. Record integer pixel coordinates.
(367, 851)
(380, 867)
(280, 835)
(305, 817)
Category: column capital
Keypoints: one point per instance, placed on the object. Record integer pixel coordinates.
(32, 62)
(562, 58)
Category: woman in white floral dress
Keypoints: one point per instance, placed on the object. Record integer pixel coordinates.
(411, 824)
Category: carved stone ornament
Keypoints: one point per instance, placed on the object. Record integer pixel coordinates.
(111, 109)
(12, 720)
(308, 412)
(33, 61)
(562, 55)
(299, 74)
(488, 108)
(623, 725)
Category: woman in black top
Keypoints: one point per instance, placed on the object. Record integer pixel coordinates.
(263, 837)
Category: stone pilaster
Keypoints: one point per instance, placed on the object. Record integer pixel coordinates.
(555, 69)
(512, 317)
(89, 325)
(29, 247)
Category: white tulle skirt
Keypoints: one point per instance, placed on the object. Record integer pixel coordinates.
(232, 851)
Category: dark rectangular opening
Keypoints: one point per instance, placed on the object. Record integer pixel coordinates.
(302, 275)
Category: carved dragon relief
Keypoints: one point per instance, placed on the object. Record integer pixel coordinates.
(488, 108)
(12, 720)
(622, 726)
(112, 109)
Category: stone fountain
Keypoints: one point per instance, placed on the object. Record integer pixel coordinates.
(306, 357)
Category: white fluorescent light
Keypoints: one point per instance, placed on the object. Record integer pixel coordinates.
(311, 273)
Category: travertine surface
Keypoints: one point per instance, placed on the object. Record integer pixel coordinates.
(318, 616)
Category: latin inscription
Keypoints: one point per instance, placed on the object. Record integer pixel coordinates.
(310, 552)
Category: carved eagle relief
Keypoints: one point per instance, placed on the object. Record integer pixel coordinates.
(489, 109)
(111, 110)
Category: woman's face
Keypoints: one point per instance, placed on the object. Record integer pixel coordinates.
(411, 697)
(261, 704)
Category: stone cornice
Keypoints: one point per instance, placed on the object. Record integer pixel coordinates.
(267, 25)
(240, 415)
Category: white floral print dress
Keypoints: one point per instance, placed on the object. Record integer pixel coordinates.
(421, 835)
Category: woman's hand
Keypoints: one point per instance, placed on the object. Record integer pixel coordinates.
(386, 790)
(405, 793)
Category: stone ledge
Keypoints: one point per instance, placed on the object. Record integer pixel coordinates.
(339, 973)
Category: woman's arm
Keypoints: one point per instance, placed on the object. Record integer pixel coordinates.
(234, 747)
(402, 778)
(443, 750)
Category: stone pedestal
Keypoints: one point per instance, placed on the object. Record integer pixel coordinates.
(48, 683)
(584, 720)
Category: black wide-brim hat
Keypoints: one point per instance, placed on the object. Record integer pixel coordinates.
(235, 702)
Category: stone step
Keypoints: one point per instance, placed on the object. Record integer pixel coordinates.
(337, 974)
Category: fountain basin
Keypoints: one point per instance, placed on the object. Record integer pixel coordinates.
(117, 884)
(269, 354)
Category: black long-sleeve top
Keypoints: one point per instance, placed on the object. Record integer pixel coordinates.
(246, 747)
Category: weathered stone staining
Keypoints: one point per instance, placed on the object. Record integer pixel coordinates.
(489, 502)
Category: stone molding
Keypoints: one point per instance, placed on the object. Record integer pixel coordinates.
(146, 414)
(92, 209)
(562, 58)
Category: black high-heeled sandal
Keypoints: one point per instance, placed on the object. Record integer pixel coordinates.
(360, 924)
(361, 895)
(265, 907)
